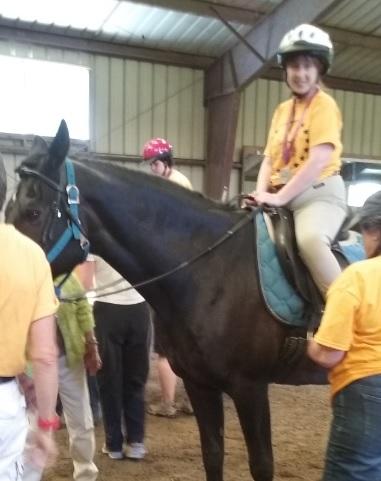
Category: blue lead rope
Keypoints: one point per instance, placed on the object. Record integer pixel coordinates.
(72, 231)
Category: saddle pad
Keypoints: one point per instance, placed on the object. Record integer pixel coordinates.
(280, 297)
(282, 300)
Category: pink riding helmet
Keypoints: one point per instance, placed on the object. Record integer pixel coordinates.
(157, 148)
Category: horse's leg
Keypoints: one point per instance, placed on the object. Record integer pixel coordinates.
(208, 409)
(252, 404)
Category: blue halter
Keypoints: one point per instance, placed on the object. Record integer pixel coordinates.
(73, 230)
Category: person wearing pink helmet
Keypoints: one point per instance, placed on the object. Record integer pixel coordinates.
(159, 153)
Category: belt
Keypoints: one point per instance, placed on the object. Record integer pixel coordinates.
(3, 379)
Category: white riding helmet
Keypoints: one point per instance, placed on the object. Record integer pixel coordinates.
(307, 39)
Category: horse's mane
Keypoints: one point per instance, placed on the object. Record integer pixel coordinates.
(120, 172)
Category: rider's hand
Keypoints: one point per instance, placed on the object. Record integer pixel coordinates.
(269, 199)
(249, 200)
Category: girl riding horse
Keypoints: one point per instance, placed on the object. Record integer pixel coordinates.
(303, 153)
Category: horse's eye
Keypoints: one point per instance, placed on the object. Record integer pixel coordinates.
(32, 214)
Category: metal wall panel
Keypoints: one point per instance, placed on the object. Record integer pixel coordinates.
(131, 101)
(135, 101)
(361, 117)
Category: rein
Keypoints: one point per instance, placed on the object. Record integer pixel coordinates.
(77, 232)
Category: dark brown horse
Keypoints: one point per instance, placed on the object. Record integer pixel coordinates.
(218, 335)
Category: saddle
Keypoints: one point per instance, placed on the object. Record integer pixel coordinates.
(295, 271)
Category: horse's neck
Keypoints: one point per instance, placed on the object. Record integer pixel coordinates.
(144, 229)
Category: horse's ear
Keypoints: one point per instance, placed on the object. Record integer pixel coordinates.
(59, 148)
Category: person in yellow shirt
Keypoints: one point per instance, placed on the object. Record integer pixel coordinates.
(302, 161)
(348, 343)
(27, 329)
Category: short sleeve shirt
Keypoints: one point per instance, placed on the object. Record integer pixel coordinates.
(26, 295)
(352, 323)
(321, 124)
(179, 178)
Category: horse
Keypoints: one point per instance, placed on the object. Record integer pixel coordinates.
(216, 331)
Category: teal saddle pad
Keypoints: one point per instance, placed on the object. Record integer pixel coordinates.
(280, 297)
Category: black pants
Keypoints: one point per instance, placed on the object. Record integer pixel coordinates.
(123, 333)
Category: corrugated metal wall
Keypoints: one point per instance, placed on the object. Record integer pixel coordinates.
(361, 117)
(133, 101)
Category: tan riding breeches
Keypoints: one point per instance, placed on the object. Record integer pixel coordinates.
(319, 212)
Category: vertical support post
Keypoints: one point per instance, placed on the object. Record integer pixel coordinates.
(222, 120)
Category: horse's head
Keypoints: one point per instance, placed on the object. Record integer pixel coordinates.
(40, 208)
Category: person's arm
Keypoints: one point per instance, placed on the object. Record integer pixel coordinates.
(43, 353)
(319, 158)
(264, 175)
(86, 321)
(92, 358)
(324, 356)
(335, 334)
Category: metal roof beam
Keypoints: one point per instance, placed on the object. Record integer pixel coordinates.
(206, 9)
(72, 42)
(240, 65)
(354, 39)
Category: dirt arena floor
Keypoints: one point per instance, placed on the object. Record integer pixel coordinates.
(300, 418)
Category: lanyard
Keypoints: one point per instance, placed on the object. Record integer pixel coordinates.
(290, 134)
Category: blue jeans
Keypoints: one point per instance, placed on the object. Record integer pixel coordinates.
(354, 446)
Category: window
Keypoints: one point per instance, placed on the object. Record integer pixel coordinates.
(35, 95)
(359, 192)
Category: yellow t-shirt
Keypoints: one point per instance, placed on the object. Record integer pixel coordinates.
(352, 323)
(321, 124)
(26, 295)
(178, 178)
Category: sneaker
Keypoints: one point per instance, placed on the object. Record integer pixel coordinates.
(135, 451)
(164, 409)
(112, 454)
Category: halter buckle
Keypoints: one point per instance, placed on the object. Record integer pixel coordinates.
(72, 194)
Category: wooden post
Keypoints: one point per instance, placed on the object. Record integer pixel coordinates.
(222, 118)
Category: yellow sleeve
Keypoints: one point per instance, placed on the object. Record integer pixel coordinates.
(325, 124)
(336, 328)
(46, 302)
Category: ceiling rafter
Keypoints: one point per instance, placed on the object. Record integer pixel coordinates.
(240, 65)
(354, 39)
(206, 9)
(60, 39)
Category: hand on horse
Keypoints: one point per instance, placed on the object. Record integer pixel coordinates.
(272, 200)
(248, 201)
